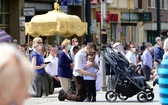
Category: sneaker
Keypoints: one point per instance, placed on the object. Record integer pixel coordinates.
(61, 95)
(155, 82)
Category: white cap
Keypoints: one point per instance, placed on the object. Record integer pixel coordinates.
(116, 44)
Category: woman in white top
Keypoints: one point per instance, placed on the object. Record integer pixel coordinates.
(131, 55)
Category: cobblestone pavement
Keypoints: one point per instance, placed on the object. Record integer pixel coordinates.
(53, 99)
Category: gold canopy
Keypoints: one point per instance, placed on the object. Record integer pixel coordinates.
(55, 22)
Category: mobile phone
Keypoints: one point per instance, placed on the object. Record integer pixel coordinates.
(47, 62)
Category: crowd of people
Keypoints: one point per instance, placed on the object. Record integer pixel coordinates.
(69, 62)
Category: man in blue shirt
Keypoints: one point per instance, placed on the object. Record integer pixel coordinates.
(147, 62)
(158, 55)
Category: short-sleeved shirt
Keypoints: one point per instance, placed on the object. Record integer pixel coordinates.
(80, 59)
(39, 61)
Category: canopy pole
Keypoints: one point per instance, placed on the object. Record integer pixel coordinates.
(28, 41)
(47, 40)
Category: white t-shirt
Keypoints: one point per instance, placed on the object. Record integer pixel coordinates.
(131, 57)
(52, 68)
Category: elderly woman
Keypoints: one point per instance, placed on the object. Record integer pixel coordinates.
(15, 76)
(37, 60)
(65, 65)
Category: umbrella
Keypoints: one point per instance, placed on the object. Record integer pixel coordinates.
(4, 36)
(54, 23)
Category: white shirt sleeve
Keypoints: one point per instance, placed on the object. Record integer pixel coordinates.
(78, 63)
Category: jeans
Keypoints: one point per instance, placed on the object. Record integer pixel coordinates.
(146, 72)
(37, 85)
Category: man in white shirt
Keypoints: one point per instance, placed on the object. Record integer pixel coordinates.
(80, 59)
(131, 55)
(52, 67)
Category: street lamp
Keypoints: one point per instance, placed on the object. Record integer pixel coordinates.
(158, 19)
(103, 41)
(88, 20)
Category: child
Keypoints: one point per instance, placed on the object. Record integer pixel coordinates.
(90, 82)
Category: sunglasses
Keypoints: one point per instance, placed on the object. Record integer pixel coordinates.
(92, 52)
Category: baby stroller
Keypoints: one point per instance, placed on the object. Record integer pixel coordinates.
(125, 81)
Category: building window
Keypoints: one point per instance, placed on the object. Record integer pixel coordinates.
(4, 15)
(149, 3)
(162, 4)
(165, 4)
(152, 3)
(140, 4)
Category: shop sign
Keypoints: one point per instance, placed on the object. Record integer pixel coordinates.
(22, 21)
(145, 16)
(135, 16)
(28, 11)
(109, 17)
(114, 17)
(129, 16)
(93, 26)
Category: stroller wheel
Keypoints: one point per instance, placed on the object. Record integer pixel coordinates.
(123, 98)
(111, 96)
(142, 97)
(150, 95)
